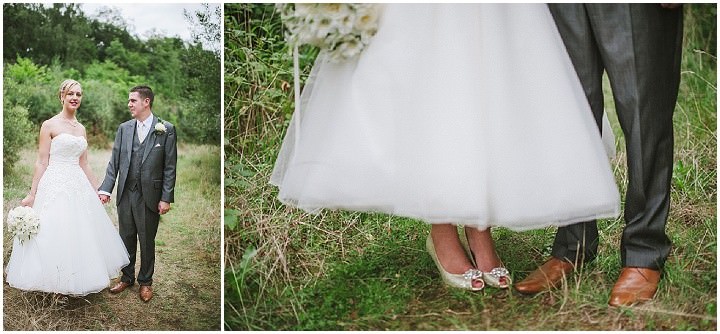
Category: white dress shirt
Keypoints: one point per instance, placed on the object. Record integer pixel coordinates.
(143, 127)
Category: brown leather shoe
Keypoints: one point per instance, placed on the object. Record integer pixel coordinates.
(634, 285)
(146, 293)
(549, 275)
(120, 287)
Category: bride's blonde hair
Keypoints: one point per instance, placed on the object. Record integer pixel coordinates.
(65, 86)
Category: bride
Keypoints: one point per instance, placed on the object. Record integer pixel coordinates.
(454, 114)
(77, 249)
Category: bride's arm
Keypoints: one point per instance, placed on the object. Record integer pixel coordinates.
(86, 166)
(40, 164)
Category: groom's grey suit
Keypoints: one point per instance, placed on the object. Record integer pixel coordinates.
(639, 46)
(146, 176)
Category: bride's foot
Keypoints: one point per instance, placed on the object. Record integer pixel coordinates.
(444, 247)
(481, 248)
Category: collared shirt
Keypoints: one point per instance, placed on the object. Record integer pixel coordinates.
(143, 127)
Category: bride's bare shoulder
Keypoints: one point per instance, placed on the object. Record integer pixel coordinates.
(51, 126)
(49, 123)
(52, 121)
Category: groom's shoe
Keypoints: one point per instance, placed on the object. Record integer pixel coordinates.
(120, 287)
(146, 293)
(549, 275)
(634, 285)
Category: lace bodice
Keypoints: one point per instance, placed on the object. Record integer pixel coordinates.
(63, 176)
(66, 148)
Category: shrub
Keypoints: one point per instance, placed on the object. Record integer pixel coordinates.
(17, 132)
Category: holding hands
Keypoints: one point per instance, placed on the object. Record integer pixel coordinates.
(104, 198)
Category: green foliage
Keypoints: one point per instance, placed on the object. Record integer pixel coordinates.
(24, 70)
(17, 133)
(43, 45)
(103, 109)
(202, 68)
(701, 27)
(28, 85)
(258, 80)
(44, 33)
(127, 59)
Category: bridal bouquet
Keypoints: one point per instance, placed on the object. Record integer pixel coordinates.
(342, 29)
(23, 222)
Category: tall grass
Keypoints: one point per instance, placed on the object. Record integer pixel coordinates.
(287, 270)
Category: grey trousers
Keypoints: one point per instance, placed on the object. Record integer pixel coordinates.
(639, 46)
(138, 223)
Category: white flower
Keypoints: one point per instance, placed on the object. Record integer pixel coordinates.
(341, 14)
(346, 24)
(367, 35)
(336, 10)
(341, 29)
(321, 27)
(160, 128)
(366, 18)
(348, 48)
(23, 222)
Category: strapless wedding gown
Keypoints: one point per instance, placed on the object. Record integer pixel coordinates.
(77, 250)
(455, 113)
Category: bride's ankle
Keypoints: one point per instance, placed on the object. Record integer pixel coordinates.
(449, 251)
(482, 248)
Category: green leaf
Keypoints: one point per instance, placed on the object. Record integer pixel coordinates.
(231, 218)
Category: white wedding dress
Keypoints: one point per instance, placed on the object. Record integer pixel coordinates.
(77, 250)
(455, 113)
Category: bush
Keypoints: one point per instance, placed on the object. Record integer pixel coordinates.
(203, 128)
(103, 108)
(17, 132)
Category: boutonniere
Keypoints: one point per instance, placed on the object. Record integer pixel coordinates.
(160, 128)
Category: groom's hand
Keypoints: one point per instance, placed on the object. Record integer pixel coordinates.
(104, 198)
(163, 207)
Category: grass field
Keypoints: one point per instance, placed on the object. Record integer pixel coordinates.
(187, 269)
(287, 270)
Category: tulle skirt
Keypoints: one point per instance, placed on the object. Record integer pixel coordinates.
(467, 113)
(77, 250)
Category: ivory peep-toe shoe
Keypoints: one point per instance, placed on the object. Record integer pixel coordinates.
(498, 277)
(461, 281)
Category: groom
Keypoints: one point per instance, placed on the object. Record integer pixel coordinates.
(639, 46)
(144, 155)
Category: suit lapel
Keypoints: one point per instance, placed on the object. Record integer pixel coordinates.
(150, 139)
(128, 138)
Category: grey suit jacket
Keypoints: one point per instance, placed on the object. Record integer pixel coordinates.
(157, 175)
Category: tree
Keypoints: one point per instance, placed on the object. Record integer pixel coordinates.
(45, 33)
(206, 27)
(45, 44)
(202, 68)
